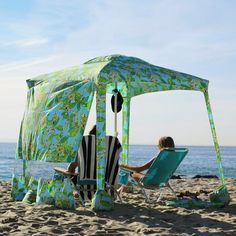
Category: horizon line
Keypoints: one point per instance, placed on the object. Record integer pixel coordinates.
(139, 144)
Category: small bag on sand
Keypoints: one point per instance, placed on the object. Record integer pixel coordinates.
(220, 196)
(102, 201)
(19, 187)
(64, 198)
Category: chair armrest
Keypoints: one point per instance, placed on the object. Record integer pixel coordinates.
(126, 171)
(64, 171)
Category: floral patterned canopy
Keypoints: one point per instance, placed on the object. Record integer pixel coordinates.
(58, 105)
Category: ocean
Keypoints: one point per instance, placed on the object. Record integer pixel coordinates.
(200, 160)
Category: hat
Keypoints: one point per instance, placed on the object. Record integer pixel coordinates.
(119, 101)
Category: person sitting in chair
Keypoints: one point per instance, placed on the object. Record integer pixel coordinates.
(73, 165)
(164, 142)
(71, 168)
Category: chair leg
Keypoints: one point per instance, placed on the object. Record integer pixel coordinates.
(111, 187)
(147, 199)
(160, 196)
(78, 189)
(82, 201)
(117, 194)
(172, 190)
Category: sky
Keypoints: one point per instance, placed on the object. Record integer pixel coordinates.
(195, 37)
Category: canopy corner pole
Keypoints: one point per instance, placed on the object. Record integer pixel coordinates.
(115, 120)
(100, 135)
(215, 140)
(125, 129)
(24, 167)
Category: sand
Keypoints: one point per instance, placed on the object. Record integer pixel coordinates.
(133, 217)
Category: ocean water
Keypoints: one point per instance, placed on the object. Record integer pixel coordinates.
(200, 160)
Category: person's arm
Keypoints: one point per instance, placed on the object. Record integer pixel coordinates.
(72, 166)
(138, 168)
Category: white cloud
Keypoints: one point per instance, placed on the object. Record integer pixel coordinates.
(196, 38)
(25, 42)
(25, 64)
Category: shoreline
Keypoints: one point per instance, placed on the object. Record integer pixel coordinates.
(133, 217)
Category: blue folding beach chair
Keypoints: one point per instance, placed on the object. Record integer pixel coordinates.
(161, 170)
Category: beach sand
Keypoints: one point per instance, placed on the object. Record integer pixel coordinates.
(133, 217)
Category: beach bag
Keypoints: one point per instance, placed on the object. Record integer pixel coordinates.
(30, 196)
(19, 187)
(46, 191)
(64, 197)
(102, 201)
(190, 203)
(220, 196)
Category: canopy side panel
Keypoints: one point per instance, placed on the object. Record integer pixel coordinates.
(54, 120)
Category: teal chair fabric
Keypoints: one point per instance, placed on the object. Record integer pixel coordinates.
(164, 166)
(161, 170)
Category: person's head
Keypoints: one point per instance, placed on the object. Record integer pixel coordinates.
(166, 142)
(93, 130)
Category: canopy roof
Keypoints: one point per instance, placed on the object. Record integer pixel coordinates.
(130, 73)
(58, 103)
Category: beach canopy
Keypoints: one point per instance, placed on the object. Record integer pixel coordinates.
(58, 106)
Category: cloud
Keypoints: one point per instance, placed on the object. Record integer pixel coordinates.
(156, 32)
(196, 38)
(25, 64)
(25, 42)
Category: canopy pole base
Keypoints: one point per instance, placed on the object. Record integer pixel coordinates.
(102, 201)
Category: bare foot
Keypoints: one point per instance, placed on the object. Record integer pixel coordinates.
(76, 195)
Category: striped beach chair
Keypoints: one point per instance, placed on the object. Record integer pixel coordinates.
(86, 181)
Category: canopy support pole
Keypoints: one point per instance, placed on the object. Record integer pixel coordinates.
(216, 144)
(100, 137)
(101, 201)
(125, 130)
(115, 120)
(24, 167)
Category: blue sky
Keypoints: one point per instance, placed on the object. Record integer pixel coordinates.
(196, 37)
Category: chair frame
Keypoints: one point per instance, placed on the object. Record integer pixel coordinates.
(147, 198)
(93, 182)
(81, 183)
(156, 186)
